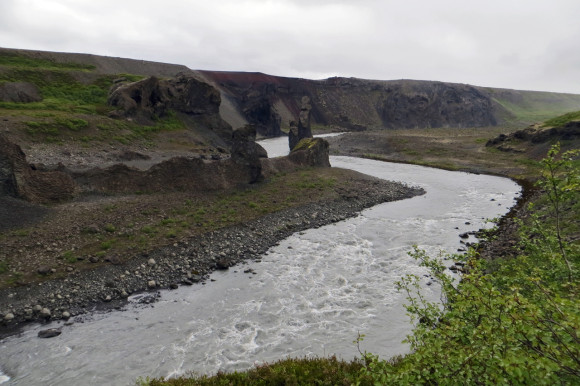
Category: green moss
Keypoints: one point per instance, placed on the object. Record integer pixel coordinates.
(306, 144)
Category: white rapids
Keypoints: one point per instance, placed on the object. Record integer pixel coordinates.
(310, 296)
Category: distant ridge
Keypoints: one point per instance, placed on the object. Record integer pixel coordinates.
(271, 102)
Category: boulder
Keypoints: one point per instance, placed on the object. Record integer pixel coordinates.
(311, 152)
(49, 333)
(19, 92)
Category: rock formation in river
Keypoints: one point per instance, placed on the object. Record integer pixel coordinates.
(301, 129)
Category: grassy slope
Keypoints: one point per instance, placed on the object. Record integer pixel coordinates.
(73, 109)
(527, 107)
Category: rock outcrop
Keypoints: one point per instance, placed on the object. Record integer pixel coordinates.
(426, 105)
(246, 152)
(310, 152)
(149, 99)
(19, 92)
(356, 104)
(535, 135)
(254, 95)
(301, 129)
(22, 180)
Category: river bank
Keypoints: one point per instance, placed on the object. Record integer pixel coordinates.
(185, 262)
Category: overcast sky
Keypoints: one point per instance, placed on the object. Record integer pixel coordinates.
(521, 44)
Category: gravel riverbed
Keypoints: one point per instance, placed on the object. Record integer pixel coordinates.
(187, 262)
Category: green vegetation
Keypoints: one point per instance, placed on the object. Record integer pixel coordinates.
(515, 322)
(74, 103)
(22, 61)
(562, 119)
(510, 321)
(3, 267)
(305, 371)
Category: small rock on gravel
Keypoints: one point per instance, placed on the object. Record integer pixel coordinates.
(49, 333)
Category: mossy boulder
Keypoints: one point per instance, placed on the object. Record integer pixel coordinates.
(311, 152)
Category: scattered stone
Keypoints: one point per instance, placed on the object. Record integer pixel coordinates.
(66, 315)
(173, 286)
(115, 260)
(223, 264)
(9, 316)
(151, 284)
(92, 229)
(45, 313)
(151, 262)
(49, 333)
(43, 270)
(94, 259)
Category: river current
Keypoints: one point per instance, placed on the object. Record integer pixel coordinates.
(309, 296)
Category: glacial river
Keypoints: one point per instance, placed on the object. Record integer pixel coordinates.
(310, 296)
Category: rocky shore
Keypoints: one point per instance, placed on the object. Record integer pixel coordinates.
(187, 262)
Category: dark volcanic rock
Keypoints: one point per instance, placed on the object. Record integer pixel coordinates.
(536, 135)
(130, 155)
(175, 174)
(19, 179)
(49, 333)
(246, 152)
(300, 130)
(255, 96)
(19, 92)
(352, 104)
(311, 152)
(422, 104)
(149, 99)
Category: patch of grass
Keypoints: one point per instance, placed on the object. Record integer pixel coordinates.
(148, 229)
(69, 257)
(167, 221)
(106, 245)
(301, 371)
(110, 228)
(4, 267)
(21, 232)
(22, 61)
